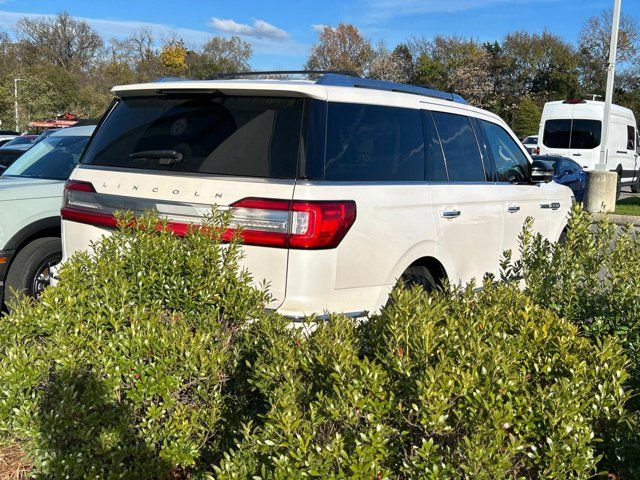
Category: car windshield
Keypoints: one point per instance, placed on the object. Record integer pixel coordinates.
(19, 141)
(531, 140)
(54, 158)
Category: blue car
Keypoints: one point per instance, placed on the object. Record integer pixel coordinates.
(566, 172)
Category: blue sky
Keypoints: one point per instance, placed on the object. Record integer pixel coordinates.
(281, 32)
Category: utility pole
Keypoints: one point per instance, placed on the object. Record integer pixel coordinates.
(15, 100)
(611, 73)
(602, 186)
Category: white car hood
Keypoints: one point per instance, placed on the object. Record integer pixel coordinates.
(23, 188)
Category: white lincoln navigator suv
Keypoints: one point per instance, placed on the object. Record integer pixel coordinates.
(342, 186)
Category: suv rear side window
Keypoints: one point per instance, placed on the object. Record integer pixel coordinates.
(373, 143)
(460, 146)
(224, 135)
(511, 164)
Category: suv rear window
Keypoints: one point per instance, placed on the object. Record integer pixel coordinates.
(221, 135)
(578, 134)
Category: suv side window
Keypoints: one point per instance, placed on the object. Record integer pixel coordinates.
(511, 163)
(374, 143)
(464, 163)
(436, 168)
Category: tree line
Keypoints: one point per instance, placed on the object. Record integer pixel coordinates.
(64, 65)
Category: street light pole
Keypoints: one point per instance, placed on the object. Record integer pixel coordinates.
(611, 73)
(15, 100)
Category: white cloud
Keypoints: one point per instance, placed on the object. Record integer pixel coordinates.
(318, 27)
(119, 29)
(259, 28)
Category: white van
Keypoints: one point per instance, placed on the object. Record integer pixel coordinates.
(572, 128)
(341, 186)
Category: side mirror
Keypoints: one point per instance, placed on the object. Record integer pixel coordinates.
(541, 172)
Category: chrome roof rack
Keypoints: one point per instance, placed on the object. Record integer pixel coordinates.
(228, 75)
(347, 78)
(341, 80)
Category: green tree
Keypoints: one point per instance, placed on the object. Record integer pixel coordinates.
(526, 118)
(219, 54)
(542, 65)
(454, 64)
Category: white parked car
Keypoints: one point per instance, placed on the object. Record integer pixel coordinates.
(30, 197)
(342, 186)
(7, 135)
(573, 128)
(531, 144)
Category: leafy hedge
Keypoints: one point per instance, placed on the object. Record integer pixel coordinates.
(155, 358)
(592, 279)
(474, 385)
(122, 367)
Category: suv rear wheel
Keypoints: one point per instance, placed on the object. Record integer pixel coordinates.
(420, 276)
(29, 273)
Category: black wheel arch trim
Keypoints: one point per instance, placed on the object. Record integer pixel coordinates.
(49, 224)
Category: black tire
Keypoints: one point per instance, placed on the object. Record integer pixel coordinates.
(28, 273)
(635, 188)
(619, 186)
(417, 275)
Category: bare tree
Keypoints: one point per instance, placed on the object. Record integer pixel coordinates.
(67, 41)
(593, 45)
(341, 48)
(138, 50)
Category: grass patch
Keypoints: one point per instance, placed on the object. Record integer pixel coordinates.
(628, 206)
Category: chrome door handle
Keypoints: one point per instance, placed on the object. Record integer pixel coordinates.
(450, 213)
(513, 208)
(552, 206)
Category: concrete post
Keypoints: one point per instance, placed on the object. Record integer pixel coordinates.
(601, 191)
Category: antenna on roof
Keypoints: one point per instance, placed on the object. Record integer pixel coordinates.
(228, 75)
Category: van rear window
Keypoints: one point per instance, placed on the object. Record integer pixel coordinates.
(577, 134)
(222, 135)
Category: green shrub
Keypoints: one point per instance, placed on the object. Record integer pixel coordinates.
(474, 385)
(592, 279)
(120, 371)
(154, 358)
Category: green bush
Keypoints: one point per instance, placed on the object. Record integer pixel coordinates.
(121, 370)
(592, 279)
(470, 384)
(154, 358)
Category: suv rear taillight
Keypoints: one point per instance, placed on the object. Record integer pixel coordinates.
(293, 224)
(264, 222)
(81, 204)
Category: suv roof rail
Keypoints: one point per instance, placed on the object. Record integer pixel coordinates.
(171, 79)
(341, 80)
(223, 75)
